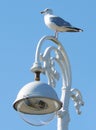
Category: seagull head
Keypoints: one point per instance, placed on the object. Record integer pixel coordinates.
(47, 11)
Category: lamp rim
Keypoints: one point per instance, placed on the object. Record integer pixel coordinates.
(30, 97)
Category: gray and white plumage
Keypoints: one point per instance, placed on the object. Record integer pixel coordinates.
(57, 24)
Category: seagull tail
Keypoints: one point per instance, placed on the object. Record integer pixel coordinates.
(74, 29)
(78, 29)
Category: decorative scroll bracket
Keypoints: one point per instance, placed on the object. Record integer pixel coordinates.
(77, 98)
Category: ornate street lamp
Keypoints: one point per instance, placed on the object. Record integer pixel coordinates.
(37, 102)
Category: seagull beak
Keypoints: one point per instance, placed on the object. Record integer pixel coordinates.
(42, 12)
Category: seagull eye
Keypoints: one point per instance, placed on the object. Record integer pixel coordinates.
(47, 9)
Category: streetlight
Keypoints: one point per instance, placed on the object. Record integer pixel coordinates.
(37, 102)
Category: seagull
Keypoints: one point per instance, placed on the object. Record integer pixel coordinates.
(57, 23)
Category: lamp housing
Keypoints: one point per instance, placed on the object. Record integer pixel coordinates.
(37, 99)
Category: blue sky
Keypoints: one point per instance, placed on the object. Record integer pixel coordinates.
(21, 27)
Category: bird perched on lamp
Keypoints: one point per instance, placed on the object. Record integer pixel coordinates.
(57, 24)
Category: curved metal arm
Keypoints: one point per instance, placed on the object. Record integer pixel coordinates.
(61, 58)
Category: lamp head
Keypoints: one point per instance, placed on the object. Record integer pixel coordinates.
(37, 98)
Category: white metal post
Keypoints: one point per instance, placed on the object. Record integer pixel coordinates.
(52, 75)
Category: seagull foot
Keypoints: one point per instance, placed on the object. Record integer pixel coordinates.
(56, 35)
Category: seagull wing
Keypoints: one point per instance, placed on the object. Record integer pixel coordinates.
(59, 21)
(62, 23)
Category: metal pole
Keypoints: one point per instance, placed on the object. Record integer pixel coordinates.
(52, 75)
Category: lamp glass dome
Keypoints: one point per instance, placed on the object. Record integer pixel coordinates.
(37, 120)
(37, 103)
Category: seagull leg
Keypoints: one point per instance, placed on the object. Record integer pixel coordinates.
(56, 34)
